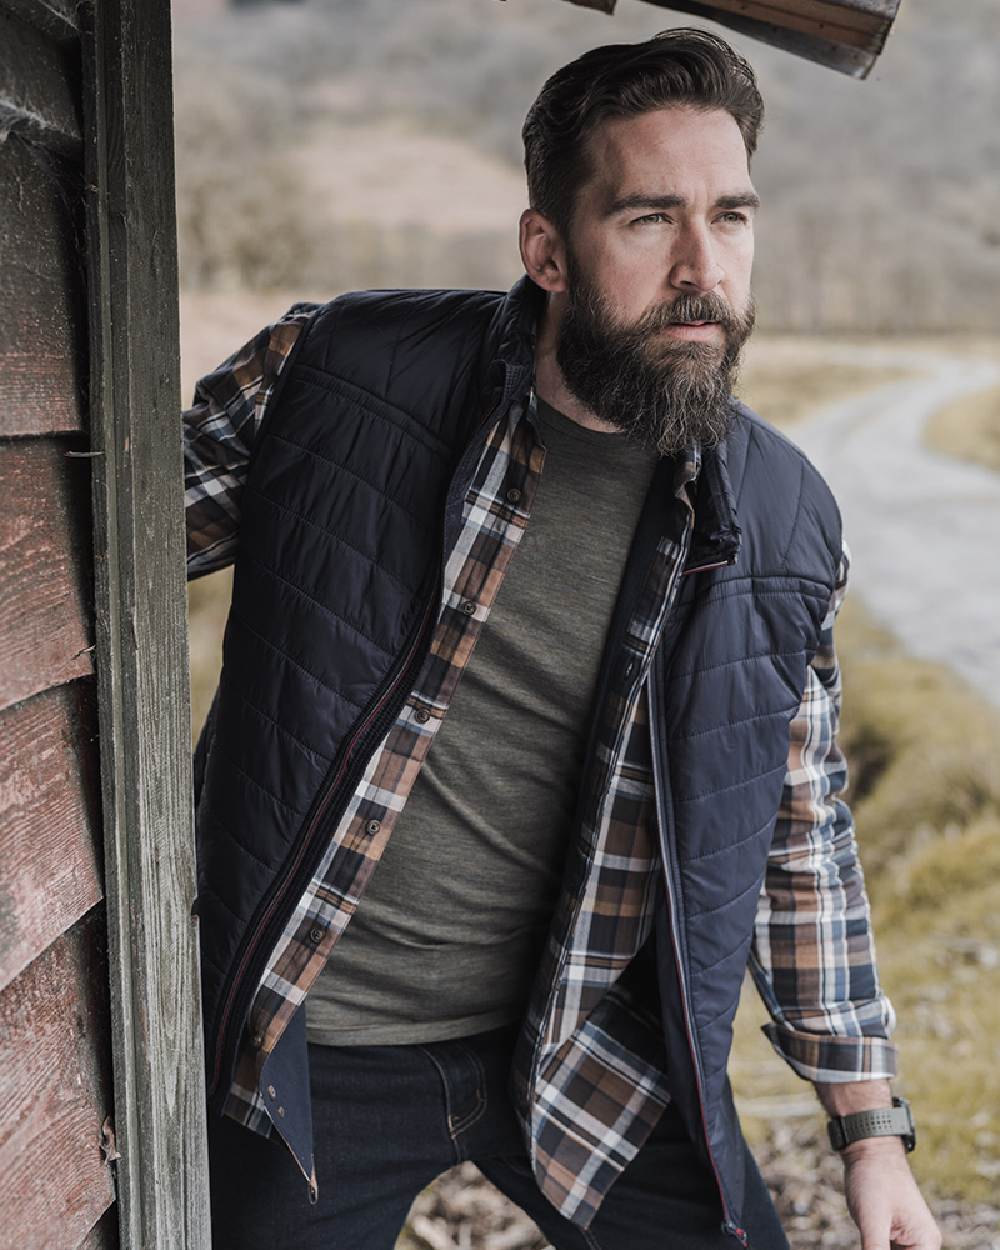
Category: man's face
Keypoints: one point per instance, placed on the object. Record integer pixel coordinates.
(662, 237)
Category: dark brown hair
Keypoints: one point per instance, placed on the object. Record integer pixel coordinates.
(679, 66)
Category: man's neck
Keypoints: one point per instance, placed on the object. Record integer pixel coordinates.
(549, 382)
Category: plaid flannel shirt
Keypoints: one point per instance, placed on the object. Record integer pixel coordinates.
(588, 1062)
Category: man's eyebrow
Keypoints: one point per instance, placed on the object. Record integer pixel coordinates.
(639, 199)
(742, 199)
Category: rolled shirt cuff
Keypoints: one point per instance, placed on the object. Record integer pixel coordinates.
(832, 1057)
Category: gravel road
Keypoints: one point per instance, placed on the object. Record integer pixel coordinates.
(923, 529)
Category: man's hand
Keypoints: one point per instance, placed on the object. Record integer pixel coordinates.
(883, 1198)
(881, 1191)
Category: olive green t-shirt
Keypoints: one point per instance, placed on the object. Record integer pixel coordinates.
(447, 937)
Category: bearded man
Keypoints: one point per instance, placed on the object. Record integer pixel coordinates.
(536, 531)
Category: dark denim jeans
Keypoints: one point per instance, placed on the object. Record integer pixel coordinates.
(388, 1119)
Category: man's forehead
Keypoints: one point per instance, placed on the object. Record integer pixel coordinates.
(678, 133)
(667, 152)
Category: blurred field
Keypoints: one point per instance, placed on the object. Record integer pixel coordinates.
(969, 429)
(333, 143)
(786, 393)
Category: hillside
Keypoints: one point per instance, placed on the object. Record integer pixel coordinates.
(338, 143)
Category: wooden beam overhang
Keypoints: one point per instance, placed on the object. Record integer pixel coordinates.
(846, 35)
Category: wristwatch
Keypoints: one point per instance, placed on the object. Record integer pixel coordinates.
(880, 1122)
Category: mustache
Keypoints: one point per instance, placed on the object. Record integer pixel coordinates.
(689, 308)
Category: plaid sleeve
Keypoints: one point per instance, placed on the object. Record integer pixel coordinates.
(218, 432)
(812, 956)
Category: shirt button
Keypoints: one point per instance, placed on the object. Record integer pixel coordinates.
(281, 1111)
(258, 1039)
(468, 607)
(513, 495)
(373, 826)
(421, 715)
(270, 1090)
(315, 934)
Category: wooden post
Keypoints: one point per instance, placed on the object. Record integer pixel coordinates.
(141, 647)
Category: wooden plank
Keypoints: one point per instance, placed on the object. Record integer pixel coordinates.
(51, 856)
(140, 596)
(46, 634)
(846, 35)
(884, 8)
(55, 18)
(856, 62)
(55, 1182)
(850, 27)
(42, 343)
(38, 88)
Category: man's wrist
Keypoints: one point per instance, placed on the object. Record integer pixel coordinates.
(846, 1097)
(873, 1148)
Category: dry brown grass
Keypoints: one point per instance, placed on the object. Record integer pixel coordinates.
(784, 393)
(969, 429)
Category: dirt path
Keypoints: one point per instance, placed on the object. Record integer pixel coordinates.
(924, 530)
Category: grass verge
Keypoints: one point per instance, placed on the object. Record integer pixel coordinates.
(786, 393)
(968, 429)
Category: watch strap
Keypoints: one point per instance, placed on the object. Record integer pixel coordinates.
(875, 1122)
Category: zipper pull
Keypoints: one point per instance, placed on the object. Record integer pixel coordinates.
(701, 568)
(734, 1230)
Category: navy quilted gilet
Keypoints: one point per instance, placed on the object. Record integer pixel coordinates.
(346, 515)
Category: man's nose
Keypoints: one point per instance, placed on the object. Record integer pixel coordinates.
(695, 267)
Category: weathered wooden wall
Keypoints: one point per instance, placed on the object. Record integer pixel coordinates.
(101, 1066)
(56, 1185)
(140, 625)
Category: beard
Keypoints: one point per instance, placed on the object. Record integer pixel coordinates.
(664, 393)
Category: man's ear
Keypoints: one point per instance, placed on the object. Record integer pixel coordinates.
(543, 252)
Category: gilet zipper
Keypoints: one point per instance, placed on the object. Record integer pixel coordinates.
(701, 568)
(729, 1225)
(371, 726)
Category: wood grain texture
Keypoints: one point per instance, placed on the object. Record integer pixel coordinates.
(39, 89)
(884, 8)
(56, 1092)
(141, 628)
(42, 329)
(846, 35)
(850, 26)
(51, 853)
(850, 14)
(46, 629)
(55, 18)
(831, 52)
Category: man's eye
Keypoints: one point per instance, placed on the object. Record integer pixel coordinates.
(734, 216)
(650, 217)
